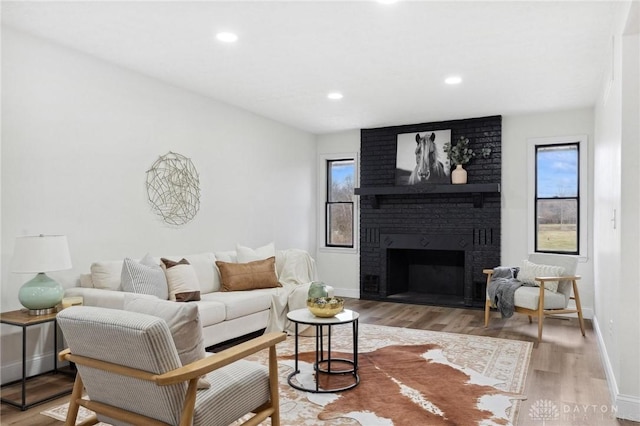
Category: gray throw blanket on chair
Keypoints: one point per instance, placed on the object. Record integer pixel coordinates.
(501, 289)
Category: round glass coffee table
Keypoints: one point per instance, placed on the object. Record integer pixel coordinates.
(326, 365)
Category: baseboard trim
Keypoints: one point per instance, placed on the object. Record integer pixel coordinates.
(627, 406)
(587, 313)
(347, 292)
(36, 365)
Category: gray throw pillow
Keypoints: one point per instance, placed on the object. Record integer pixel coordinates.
(145, 277)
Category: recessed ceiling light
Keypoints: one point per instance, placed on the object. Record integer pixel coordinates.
(227, 37)
(454, 79)
(335, 96)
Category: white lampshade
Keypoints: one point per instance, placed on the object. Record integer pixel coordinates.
(43, 253)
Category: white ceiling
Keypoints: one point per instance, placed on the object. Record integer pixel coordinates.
(389, 61)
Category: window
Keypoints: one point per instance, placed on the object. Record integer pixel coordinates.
(558, 210)
(558, 197)
(339, 203)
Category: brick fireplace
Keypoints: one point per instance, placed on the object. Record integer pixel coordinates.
(429, 243)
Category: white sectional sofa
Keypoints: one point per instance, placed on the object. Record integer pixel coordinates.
(224, 315)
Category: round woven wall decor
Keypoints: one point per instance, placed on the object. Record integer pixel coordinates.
(173, 188)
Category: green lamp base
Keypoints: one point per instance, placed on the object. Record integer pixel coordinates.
(40, 295)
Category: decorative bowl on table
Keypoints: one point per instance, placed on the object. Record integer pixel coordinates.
(325, 307)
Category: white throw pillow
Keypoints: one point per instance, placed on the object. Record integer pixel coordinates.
(182, 280)
(145, 277)
(86, 281)
(529, 271)
(203, 264)
(106, 274)
(227, 256)
(247, 254)
(184, 323)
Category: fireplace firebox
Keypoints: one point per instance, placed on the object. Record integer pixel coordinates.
(427, 268)
(435, 273)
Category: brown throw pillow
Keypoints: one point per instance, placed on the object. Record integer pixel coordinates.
(248, 276)
(182, 280)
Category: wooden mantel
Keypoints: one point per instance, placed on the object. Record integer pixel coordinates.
(477, 190)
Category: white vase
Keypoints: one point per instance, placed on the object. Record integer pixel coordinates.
(459, 175)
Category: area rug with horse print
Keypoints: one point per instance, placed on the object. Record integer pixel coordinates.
(407, 377)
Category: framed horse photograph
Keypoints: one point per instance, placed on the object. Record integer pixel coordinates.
(420, 158)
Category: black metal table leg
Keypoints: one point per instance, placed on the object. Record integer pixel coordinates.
(24, 369)
(323, 364)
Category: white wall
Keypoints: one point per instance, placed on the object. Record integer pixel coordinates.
(339, 268)
(515, 181)
(617, 194)
(629, 317)
(78, 135)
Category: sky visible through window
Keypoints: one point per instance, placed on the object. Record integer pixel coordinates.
(557, 171)
(341, 170)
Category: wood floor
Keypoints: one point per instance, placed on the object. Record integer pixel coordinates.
(565, 369)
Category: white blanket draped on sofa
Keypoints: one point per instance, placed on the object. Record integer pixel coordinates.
(297, 271)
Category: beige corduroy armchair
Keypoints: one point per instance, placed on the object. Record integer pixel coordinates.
(130, 368)
(540, 301)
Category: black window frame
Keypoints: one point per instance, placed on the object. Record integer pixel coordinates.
(329, 203)
(537, 198)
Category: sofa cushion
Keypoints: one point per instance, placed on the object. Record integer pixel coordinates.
(529, 271)
(247, 254)
(184, 323)
(106, 274)
(182, 280)
(102, 298)
(248, 276)
(528, 297)
(86, 281)
(241, 303)
(146, 277)
(230, 256)
(211, 311)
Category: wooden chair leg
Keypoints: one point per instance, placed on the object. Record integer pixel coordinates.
(91, 420)
(487, 313)
(76, 394)
(540, 322)
(540, 312)
(273, 385)
(530, 319)
(188, 406)
(576, 296)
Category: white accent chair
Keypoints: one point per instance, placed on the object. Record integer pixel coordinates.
(538, 301)
(131, 370)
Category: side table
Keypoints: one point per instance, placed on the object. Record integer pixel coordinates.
(323, 364)
(23, 320)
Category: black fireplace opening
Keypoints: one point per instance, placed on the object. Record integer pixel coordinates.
(426, 276)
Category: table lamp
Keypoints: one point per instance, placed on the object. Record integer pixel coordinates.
(40, 254)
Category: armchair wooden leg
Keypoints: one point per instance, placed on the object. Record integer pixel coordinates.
(487, 313)
(540, 322)
(273, 385)
(76, 394)
(576, 296)
(91, 420)
(530, 319)
(540, 312)
(189, 404)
